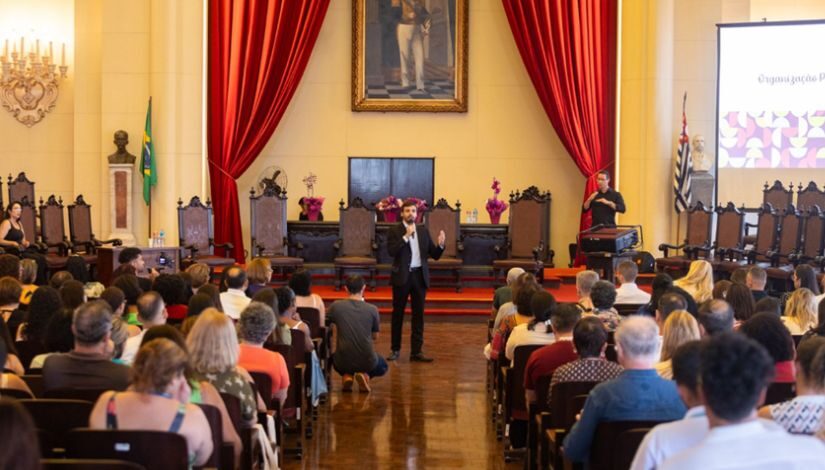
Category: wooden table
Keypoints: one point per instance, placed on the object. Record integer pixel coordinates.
(107, 260)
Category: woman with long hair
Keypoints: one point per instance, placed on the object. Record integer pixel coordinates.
(259, 273)
(698, 282)
(800, 312)
(680, 327)
(301, 284)
(13, 239)
(539, 329)
(740, 298)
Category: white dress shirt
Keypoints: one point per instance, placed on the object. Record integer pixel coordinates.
(629, 293)
(666, 440)
(234, 301)
(754, 445)
(130, 348)
(415, 261)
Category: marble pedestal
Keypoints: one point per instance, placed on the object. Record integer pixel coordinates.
(702, 188)
(120, 203)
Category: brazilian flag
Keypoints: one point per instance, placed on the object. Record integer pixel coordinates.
(150, 171)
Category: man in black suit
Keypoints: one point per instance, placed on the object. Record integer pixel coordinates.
(410, 277)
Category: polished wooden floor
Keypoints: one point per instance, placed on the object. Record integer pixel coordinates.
(418, 415)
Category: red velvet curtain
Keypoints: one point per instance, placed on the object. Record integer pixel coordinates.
(258, 50)
(569, 49)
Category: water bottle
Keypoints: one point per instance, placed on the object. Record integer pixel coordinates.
(162, 238)
(475, 216)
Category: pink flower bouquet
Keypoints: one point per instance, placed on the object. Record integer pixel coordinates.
(389, 207)
(314, 206)
(495, 206)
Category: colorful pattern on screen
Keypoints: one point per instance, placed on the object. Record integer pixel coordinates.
(779, 139)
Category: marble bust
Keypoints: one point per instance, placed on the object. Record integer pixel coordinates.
(122, 156)
(701, 163)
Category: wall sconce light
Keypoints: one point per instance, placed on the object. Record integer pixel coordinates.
(29, 82)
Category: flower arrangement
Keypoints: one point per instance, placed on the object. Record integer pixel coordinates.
(495, 206)
(314, 206)
(310, 181)
(421, 206)
(389, 207)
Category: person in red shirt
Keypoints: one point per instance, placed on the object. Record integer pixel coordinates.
(256, 324)
(173, 290)
(545, 361)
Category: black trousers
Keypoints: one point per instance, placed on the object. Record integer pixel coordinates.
(416, 291)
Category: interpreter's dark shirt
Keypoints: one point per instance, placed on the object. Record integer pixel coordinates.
(355, 321)
(604, 214)
(72, 370)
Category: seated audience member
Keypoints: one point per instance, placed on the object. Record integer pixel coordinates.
(8, 380)
(821, 296)
(768, 331)
(158, 400)
(197, 304)
(120, 333)
(820, 328)
(19, 437)
(132, 262)
(666, 440)
(79, 270)
(804, 276)
(89, 364)
(187, 287)
(213, 349)
(72, 294)
(679, 329)
(668, 303)
(523, 297)
(545, 361)
(698, 282)
(692, 306)
(585, 280)
(259, 272)
(301, 284)
(509, 308)
(199, 272)
(58, 278)
(803, 414)
(173, 290)
(538, 330)
(715, 317)
(12, 362)
(734, 374)
(756, 280)
(661, 284)
(10, 290)
(288, 314)
(44, 303)
(603, 296)
(256, 323)
(628, 292)
(770, 305)
(130, 286)
(800, 312)
(58, 337)
(214, 293)
(10, 266)
(117, 302)
(741, 301)
(202, 392)
(356, 326)
(637, 340)
(739, 275)
(720, 289)
(504, 294)
(590, 342)
(28, 274)
(281, 334)
(234, 299)
(151, 312)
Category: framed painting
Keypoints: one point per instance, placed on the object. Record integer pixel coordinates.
(409, 55)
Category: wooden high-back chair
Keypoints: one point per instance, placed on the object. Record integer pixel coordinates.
(699, 225)
(21, 189)
(268, 229)
(196, 235)
(809, 196)
(767, 233)
(356, 242)
(443, 217)
(53, 233)
(727, 248)
(81, 237)
(776, 195)
(527, 234)
(813, 240)
(790, 235)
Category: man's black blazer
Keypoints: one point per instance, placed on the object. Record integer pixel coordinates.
(402, 253)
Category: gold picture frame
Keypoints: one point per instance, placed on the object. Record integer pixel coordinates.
(434, 36)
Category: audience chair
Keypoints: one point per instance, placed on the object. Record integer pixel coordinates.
(566, 402)
(54, 419)
(35, 382)
(356, 242)
(88, 464)
(263, 384)
(221, 455)
(152, 449)
(699, 224)
(295, 395)
(528, 236)
(515, 406)
(196, 236)
(268, 228)
(779, 392)
(534, 412)
(443, 217)
(616, 440)
(87, 394)
(27, 349)
(321, 336)
(627, 309)
(15, 394)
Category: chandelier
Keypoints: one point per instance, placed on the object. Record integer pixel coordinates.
(29, 81)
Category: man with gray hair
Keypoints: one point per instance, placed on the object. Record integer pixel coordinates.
(256, 324)
(715, 317)
(585, 280)
(638, 394)
(89, 365)
(504, 294)
(151, 312)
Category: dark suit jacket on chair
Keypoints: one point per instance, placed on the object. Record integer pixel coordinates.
(402, 253)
